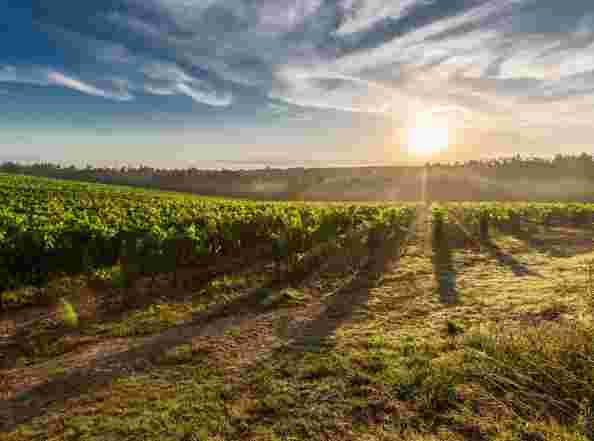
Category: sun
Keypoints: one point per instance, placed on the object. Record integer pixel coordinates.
(427, 136)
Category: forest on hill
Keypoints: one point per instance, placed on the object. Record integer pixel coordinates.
(562, 178)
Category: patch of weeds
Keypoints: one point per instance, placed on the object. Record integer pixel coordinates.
(44, 346)
(227, 289)
(229, 283)
(454, 328)
(178, 355)
(553, 359)
(154, 319)
(545, 431)
(56, 289)
(233, 332)
(375, 361)
(41, 341)
(376, 341)
(282, 325)
(56, 371)
(68, 314)
(292, 296)
(264, 296)
(47, 295)
(119, 279)
(114, 277)
(287, 296)
(408, 346)
(589, 269)
(24, 396)
(22, 362)
(316, 368)
(407, 392)
(20, 298)
(481, 342)
(305, 394)
(163, 405)
(312, 343)
(262, 433)
(299, 397)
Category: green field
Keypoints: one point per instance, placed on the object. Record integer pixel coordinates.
(139, 315)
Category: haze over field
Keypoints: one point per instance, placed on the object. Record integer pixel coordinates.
(270, 82)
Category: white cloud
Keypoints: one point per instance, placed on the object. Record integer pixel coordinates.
(351, 94)
(365, 14)
(167, 78)
(164, 79)
(40, 76)
(577, 62)
(210, 98)
(156, 90)
(423, 44)
(166, 72)
(310, 89)
(58, 79)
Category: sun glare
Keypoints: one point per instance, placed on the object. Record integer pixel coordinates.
(427, 136)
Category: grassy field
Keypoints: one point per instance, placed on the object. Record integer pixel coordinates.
(421, 342)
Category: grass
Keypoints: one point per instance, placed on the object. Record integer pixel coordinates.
(490, 382)
(454, 327)
(512, 359)
(55, 290)
(147, 321)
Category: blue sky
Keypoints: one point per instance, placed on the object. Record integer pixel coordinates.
(170, 81)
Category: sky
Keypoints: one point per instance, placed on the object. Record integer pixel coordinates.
(270, 82)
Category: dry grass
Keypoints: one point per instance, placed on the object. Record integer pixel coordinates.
(345, 358)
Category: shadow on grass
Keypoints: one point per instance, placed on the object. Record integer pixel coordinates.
(100, 372)
(349, 300)
(557, 241)
(109, 305)
(445, 272)
(141, 358)
(518, 268)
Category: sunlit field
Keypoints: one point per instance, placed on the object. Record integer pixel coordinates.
(297, 220)
(133, 314)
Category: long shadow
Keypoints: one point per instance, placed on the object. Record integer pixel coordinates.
(556, 241)
(34, 402)
(348, 300)
(138, 359)
(12, 349)
(518, 268)
(445, 272)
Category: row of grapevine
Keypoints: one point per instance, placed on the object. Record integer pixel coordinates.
(51, 227)
(474, 220)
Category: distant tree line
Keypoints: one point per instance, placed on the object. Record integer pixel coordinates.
(564, 177)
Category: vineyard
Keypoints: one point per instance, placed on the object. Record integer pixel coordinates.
(474, 220)
(49, 228)
(380, 321)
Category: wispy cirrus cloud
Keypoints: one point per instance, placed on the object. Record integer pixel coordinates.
(56, 78)
(208, 97)
(46, 77)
